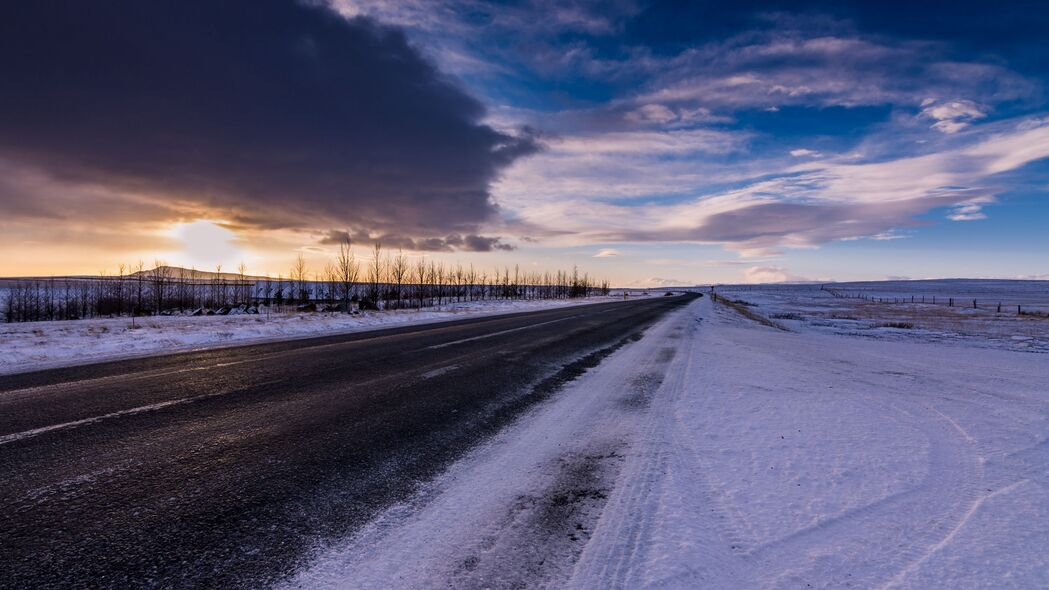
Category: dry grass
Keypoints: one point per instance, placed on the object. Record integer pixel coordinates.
(743, 309)
(898, 318)
(934, 318)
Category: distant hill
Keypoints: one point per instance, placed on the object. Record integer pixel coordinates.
(174, 272)
(197, 275)
(657, 283)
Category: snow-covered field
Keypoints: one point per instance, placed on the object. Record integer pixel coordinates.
(721, 453)
(36, 345)
(888, 311)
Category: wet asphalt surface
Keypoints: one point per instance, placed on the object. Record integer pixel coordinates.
(224, 468)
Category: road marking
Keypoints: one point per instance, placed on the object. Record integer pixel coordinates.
(17, 436)
(439, 371)
(500, 333)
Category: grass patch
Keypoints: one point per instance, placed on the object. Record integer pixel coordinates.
(740, 307)
(897, 325)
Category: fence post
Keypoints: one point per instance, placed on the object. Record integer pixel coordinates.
(950, 302)
(999, 307)
(974, 304)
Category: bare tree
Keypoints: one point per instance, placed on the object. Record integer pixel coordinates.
(298, 279)
(347, 268)
(242, 288)
(420, 280)
(331, 280)
(375, 273)
(119, 291)
(140, 285)
(159, 278)
(458, 277)
(398, 274)
(391, 278)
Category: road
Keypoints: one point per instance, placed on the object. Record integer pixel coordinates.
(225, 467)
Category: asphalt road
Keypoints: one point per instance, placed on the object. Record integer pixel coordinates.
(224, 468)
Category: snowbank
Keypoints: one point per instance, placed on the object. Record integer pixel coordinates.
(36, 345)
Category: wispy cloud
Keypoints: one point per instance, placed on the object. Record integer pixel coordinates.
(970, 210)
(952, 116)
(802, 205)
(790, 68)
(771, 274)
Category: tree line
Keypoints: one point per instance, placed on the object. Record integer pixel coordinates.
(385, 280)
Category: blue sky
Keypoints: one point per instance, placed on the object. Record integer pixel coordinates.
(854, 140)
(653, 142)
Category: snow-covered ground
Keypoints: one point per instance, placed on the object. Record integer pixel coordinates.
(36, 345)
(717, 452)
(887, 311)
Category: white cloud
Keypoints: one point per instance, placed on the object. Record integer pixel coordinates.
(791, 67)
(971, 210)
(891, 234)
(800, 205)
(802, 153)
(770, 274)
(652, 113)
(659, 282)
(606, 253)
(651, 142)
(952, 116)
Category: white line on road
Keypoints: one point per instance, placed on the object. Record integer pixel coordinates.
(10, 438)
(17, 436)
(439, 371)
(493, 334)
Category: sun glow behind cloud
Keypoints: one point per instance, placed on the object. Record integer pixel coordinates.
(207, 244)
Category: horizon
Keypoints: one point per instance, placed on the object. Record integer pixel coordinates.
(649, 285)
(649, 144)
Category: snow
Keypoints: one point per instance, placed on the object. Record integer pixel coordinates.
(814, 307)
(717, 452)
(39, 345)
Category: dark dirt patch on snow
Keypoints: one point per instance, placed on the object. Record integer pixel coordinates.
(642, 388)
(544, 534)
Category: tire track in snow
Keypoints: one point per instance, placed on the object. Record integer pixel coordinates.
(626, 536)
(883, 531)
(899, 577)
(878, 534)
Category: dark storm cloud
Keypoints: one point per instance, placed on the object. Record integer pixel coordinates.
(276, 113)
(467, 242)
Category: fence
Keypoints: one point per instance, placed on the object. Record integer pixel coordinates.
(991, 305)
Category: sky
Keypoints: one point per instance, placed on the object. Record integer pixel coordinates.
(648, 143)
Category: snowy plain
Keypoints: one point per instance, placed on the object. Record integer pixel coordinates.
(40, 345)
(919, 311)
(718, 452)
